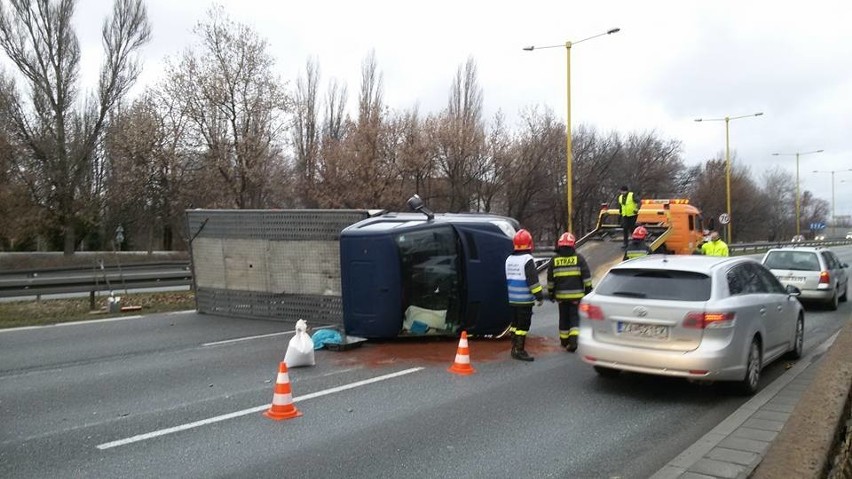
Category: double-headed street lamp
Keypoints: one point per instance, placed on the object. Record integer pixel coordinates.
(833, 217)
(798, 199)
(569, 179)
(727, 121)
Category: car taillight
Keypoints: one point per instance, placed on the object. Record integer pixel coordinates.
(708, 320)
(824, 277)
(591, 311)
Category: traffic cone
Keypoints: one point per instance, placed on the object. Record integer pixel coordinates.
(282, 401)
(462, 363)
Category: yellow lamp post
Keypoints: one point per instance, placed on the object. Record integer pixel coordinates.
(569, 178)
(833, 216)
(727, 121)
(798, 196)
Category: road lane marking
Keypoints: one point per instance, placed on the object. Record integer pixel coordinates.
(244, 412)
(71, 323)
(90, 321)
(248, 338)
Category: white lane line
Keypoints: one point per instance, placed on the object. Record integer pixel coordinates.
(247, 338)
(244, 412)
(71, 323)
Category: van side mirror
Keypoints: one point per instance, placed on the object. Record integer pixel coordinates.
(792, 290)
(416, 204)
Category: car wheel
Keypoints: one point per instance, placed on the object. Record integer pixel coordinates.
(798, 340)
(607, 372)
(833, 303)
(748, 385)
(845, 295)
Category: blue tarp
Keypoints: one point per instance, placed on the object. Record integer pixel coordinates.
(326, 336)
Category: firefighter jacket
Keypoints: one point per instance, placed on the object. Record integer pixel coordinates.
(636, 248)
(522, 280)
(715, 248)
(628, 204)
(568, 276)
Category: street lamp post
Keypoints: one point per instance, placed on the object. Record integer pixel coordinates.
(569, 156)
(833, 216)
(727, 121)
(798, 196)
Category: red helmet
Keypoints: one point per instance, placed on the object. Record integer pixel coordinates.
(567, 239)
(523, 241)
(640, 233)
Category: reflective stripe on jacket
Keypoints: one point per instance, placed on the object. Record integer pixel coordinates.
(522, 280)
(636, 249)
(568, 276)
(629, 207)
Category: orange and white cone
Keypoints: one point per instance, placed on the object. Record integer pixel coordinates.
(282, 401)
(462, 363)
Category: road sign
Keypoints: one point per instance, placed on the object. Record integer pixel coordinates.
(817, 226)
(724, 218)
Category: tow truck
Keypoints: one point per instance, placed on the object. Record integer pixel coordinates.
(674, 227)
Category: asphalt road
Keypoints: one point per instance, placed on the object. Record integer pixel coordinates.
(181, 395)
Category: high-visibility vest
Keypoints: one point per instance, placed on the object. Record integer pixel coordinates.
(629, 207)
(715, 248)
(521, 292)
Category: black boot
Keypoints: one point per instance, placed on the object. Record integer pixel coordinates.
(518, 349)
(572, 343)
(563, 341)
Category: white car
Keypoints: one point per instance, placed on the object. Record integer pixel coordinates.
(849, 235)
(697, 317)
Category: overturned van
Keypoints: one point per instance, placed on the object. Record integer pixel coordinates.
(412, 274)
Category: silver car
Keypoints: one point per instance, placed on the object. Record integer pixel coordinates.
(815, 270)
(696, 317)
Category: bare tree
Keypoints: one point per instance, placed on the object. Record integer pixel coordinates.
(778, 189)
(236, 104)
(458, 139)
(58, 135)
(533, 173)
(306, 132)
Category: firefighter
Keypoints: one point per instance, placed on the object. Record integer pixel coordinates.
(637, 246)
(568, 280)
(524, 290)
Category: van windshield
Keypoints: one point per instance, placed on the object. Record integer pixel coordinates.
(431, 279)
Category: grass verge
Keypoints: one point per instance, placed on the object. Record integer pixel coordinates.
(52, 311)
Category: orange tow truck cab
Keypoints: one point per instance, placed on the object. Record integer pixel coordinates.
(680, 224)
(674, 226)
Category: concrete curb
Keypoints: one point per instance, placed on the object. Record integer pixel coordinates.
(805, 446)
(736, 434)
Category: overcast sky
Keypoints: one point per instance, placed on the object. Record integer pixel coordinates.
(672, 62)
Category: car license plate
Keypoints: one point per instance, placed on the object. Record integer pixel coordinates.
(639, 330)
(795, 279)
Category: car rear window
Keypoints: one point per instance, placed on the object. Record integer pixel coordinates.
(794, 260)
(656, 284)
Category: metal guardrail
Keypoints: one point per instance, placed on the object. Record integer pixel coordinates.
(37, 282)
(164, 274)
(542, 255)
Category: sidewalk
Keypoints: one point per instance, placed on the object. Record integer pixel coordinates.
(735, 447)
